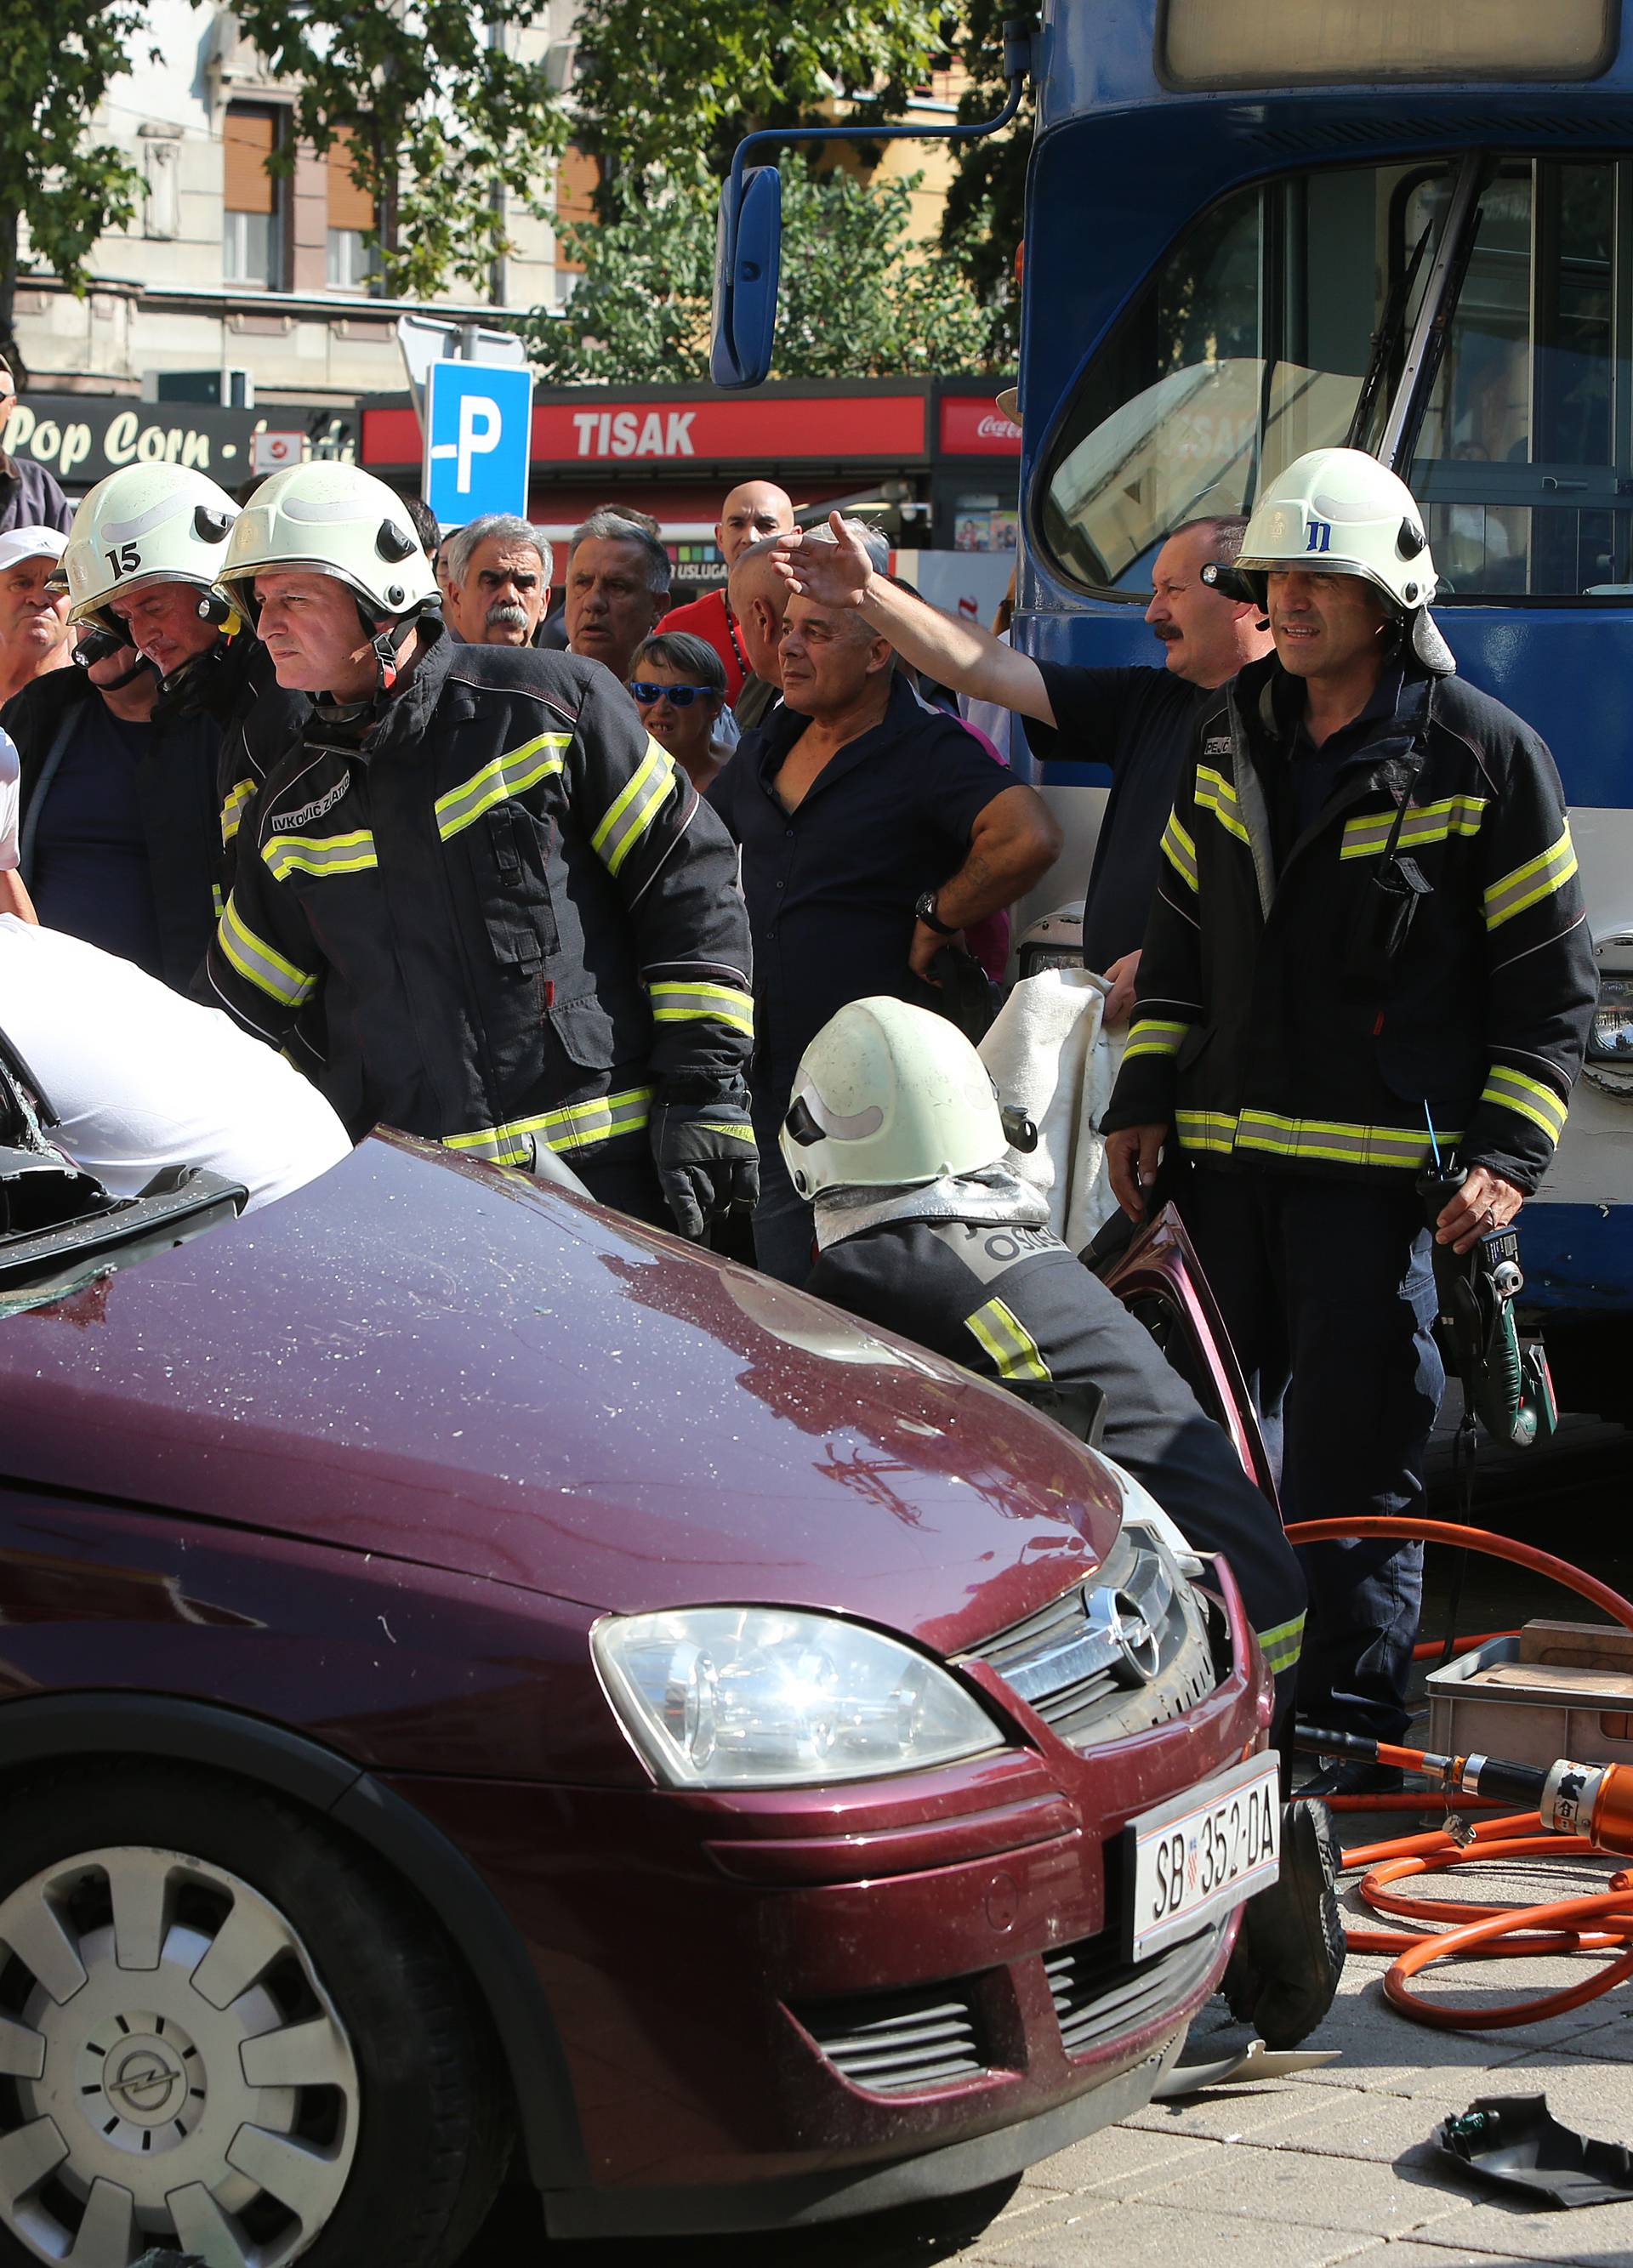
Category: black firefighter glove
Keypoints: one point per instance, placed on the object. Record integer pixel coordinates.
(705, 1157)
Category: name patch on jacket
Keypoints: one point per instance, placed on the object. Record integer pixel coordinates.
(990, 1252)
(291, 820)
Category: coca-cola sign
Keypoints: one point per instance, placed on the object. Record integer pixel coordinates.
(973, 425)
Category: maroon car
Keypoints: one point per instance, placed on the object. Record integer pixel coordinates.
(484, 1686)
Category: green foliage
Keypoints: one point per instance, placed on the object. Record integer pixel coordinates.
(56, 67)
(854, 304)
(440, 114)
(663, 82)
(984, 216)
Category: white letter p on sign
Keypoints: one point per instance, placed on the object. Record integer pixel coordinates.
(480, 424)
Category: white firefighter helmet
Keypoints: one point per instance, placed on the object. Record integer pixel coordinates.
(1338, 512)
(145, 524)
(330, 518)
(887, 1096)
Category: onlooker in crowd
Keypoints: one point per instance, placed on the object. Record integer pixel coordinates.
(143, 555)
(679, 687)
(1369, 941)
(495, 575)
(29, 496)
(873, 830)
(428, 528)
(759, 600)
(1140, 722)
(571, 972)
(142, 1079)
(617, 585)
(34, 634)
(753, 510)
(14, 898)
(118, 835)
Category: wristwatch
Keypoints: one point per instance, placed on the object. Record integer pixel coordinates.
(925, 911)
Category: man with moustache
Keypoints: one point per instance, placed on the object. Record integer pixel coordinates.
(1138, 721)
(495, 574)
(34, 634)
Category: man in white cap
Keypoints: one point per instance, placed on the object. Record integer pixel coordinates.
(35, 635)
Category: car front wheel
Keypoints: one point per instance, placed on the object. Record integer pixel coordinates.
(224, 2030)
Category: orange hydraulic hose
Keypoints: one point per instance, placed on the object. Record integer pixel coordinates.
(1480, 1932)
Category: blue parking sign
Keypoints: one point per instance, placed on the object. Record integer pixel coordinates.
(478, 428)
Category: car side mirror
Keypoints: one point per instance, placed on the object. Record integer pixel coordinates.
(748, 260)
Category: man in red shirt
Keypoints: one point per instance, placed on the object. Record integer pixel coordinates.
(753, 510)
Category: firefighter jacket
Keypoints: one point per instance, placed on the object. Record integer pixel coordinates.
(1417, 954)
(1012, 1304)
(256, 719)
(521, 924)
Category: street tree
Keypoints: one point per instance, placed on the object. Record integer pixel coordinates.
(658, 78)
(983, 216)
(59, 190)
(859, 298)
(438, 112)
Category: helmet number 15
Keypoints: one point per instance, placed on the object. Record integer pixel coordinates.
(126, 559)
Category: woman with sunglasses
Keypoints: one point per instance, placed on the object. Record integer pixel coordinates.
(679, 683)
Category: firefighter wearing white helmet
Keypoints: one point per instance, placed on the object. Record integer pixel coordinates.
(520, 926)
(927, 1229)
(129, 766)
(1368, 948)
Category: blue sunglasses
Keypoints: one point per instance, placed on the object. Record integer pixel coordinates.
(682, 696)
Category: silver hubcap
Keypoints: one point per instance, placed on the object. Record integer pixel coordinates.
(172, 2070)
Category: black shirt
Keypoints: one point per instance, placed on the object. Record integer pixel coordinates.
(90, 872)
(1141, 723)
(831, 886)
(1312, 773)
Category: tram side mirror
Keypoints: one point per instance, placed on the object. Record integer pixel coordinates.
(748, 259)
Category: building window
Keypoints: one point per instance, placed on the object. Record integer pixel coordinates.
(353, 262)
(577, 177)
(252, 233)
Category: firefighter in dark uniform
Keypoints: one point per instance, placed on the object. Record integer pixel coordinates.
(895, 1135)
(1368, 946)
(522, 924)
(141, 564)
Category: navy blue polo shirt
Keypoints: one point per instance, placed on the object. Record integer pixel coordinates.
(831, 886)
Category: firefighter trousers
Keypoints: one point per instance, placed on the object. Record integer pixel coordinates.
(1327, 1292)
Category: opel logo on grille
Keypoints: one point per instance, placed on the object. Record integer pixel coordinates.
(1121, 1618)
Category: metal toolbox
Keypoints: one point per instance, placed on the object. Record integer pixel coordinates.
(1553, 1690)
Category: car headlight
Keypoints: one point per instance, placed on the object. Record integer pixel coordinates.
(1610, 1038)
(769, 1697)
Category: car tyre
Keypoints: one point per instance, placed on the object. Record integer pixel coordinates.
(372, 2062)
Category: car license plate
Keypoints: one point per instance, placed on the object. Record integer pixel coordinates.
(1203, 1852)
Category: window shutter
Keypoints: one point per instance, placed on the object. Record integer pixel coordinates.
(249, 140)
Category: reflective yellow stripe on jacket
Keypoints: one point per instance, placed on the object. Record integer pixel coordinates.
(1513, 1090)
(1179, 850)
(574, 1127)
(260, 963)
(685, 1004)
(1215, 793)
(1013, 1351)
(637, 805)
(1151, 1036)
(313, 854)
(1368, 836)
(1528, 885)
(512, 774)
(1330, 1141)
(232, 809)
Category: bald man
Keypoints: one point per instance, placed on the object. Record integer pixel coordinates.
(754, 510)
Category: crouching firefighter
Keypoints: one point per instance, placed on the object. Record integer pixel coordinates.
(522, 925)
(1368, 948)
(895, 1135)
